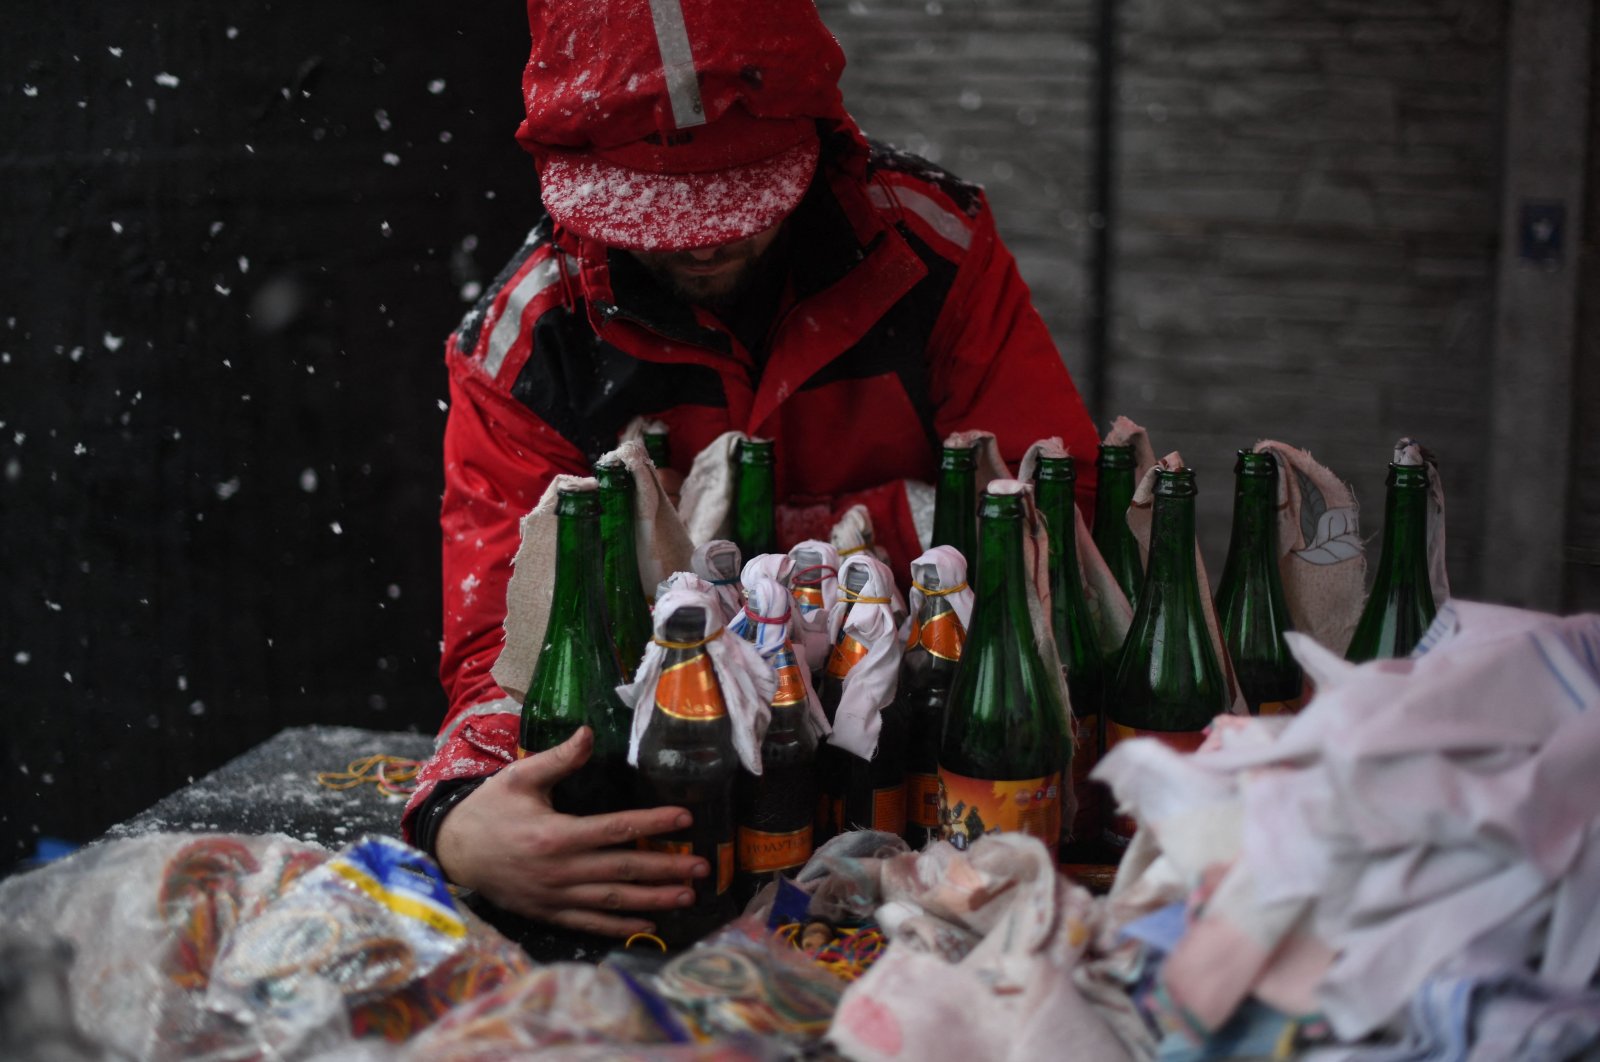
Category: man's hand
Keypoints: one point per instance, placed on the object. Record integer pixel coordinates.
(508, 843)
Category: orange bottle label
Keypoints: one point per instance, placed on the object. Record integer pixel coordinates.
(809, 598)
(922, 800)
(689, 690)
(725, 866)
(846, 655)
(942, 635)
(889, 809)
(1120, 828)
(791, 687)
(972, 807)
(763, 853)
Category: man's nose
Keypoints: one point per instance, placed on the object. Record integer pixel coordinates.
(703, 254)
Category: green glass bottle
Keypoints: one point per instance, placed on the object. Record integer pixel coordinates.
(687, 759)
(575, 681)
(955, 503)
(626, 610)
(933, 655)
(1005, 749)
(1251, 609)
(656, 444)
(1055, 481)
(1169, 683)
(1112, 536)
(1400, 607)
(755, 527)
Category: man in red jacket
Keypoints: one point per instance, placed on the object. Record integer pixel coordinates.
(723, 250)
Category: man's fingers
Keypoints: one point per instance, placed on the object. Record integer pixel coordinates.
(615, 896)
(544, 769)
(605, 925)
(626, 865)
(625, 827)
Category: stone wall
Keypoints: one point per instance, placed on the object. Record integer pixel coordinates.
(1304, 215)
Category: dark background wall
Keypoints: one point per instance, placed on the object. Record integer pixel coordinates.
(233, 244)
(233, 241)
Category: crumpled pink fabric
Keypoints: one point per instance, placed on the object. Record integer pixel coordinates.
(981, 966)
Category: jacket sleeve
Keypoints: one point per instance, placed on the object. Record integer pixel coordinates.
(498, 460)
(995, 367)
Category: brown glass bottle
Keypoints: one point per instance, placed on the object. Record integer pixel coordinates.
(933, 654)
(687, 759)
(776, 809)
(862, 794)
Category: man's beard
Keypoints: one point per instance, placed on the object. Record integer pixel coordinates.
(713, 292)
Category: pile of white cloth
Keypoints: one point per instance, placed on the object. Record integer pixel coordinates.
(1414, 859)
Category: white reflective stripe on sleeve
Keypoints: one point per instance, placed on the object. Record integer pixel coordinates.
(677, 63)
(509, 325)
(497, 706)
(946, 223)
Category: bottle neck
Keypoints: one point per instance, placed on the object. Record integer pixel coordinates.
(1055, 498)
(1405, 526)
(754, 501)
(955, 501)
(655, 444)
(620, 553)
(1172, 542)
(1003, 609)
(1255, 522)
(1113, 494)
(579, 577)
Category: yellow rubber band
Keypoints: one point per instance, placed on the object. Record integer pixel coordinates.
(938, 593)
(651, 937)
(847, 596)
(689, 645)
(393, 775)
(855, 549)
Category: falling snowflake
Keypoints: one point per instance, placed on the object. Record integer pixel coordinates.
(166, 80)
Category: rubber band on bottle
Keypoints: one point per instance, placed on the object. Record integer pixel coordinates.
(826, 570)
(767, 619)
(939, 593)
(690, 645)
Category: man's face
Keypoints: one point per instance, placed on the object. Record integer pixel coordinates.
(709, 275)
